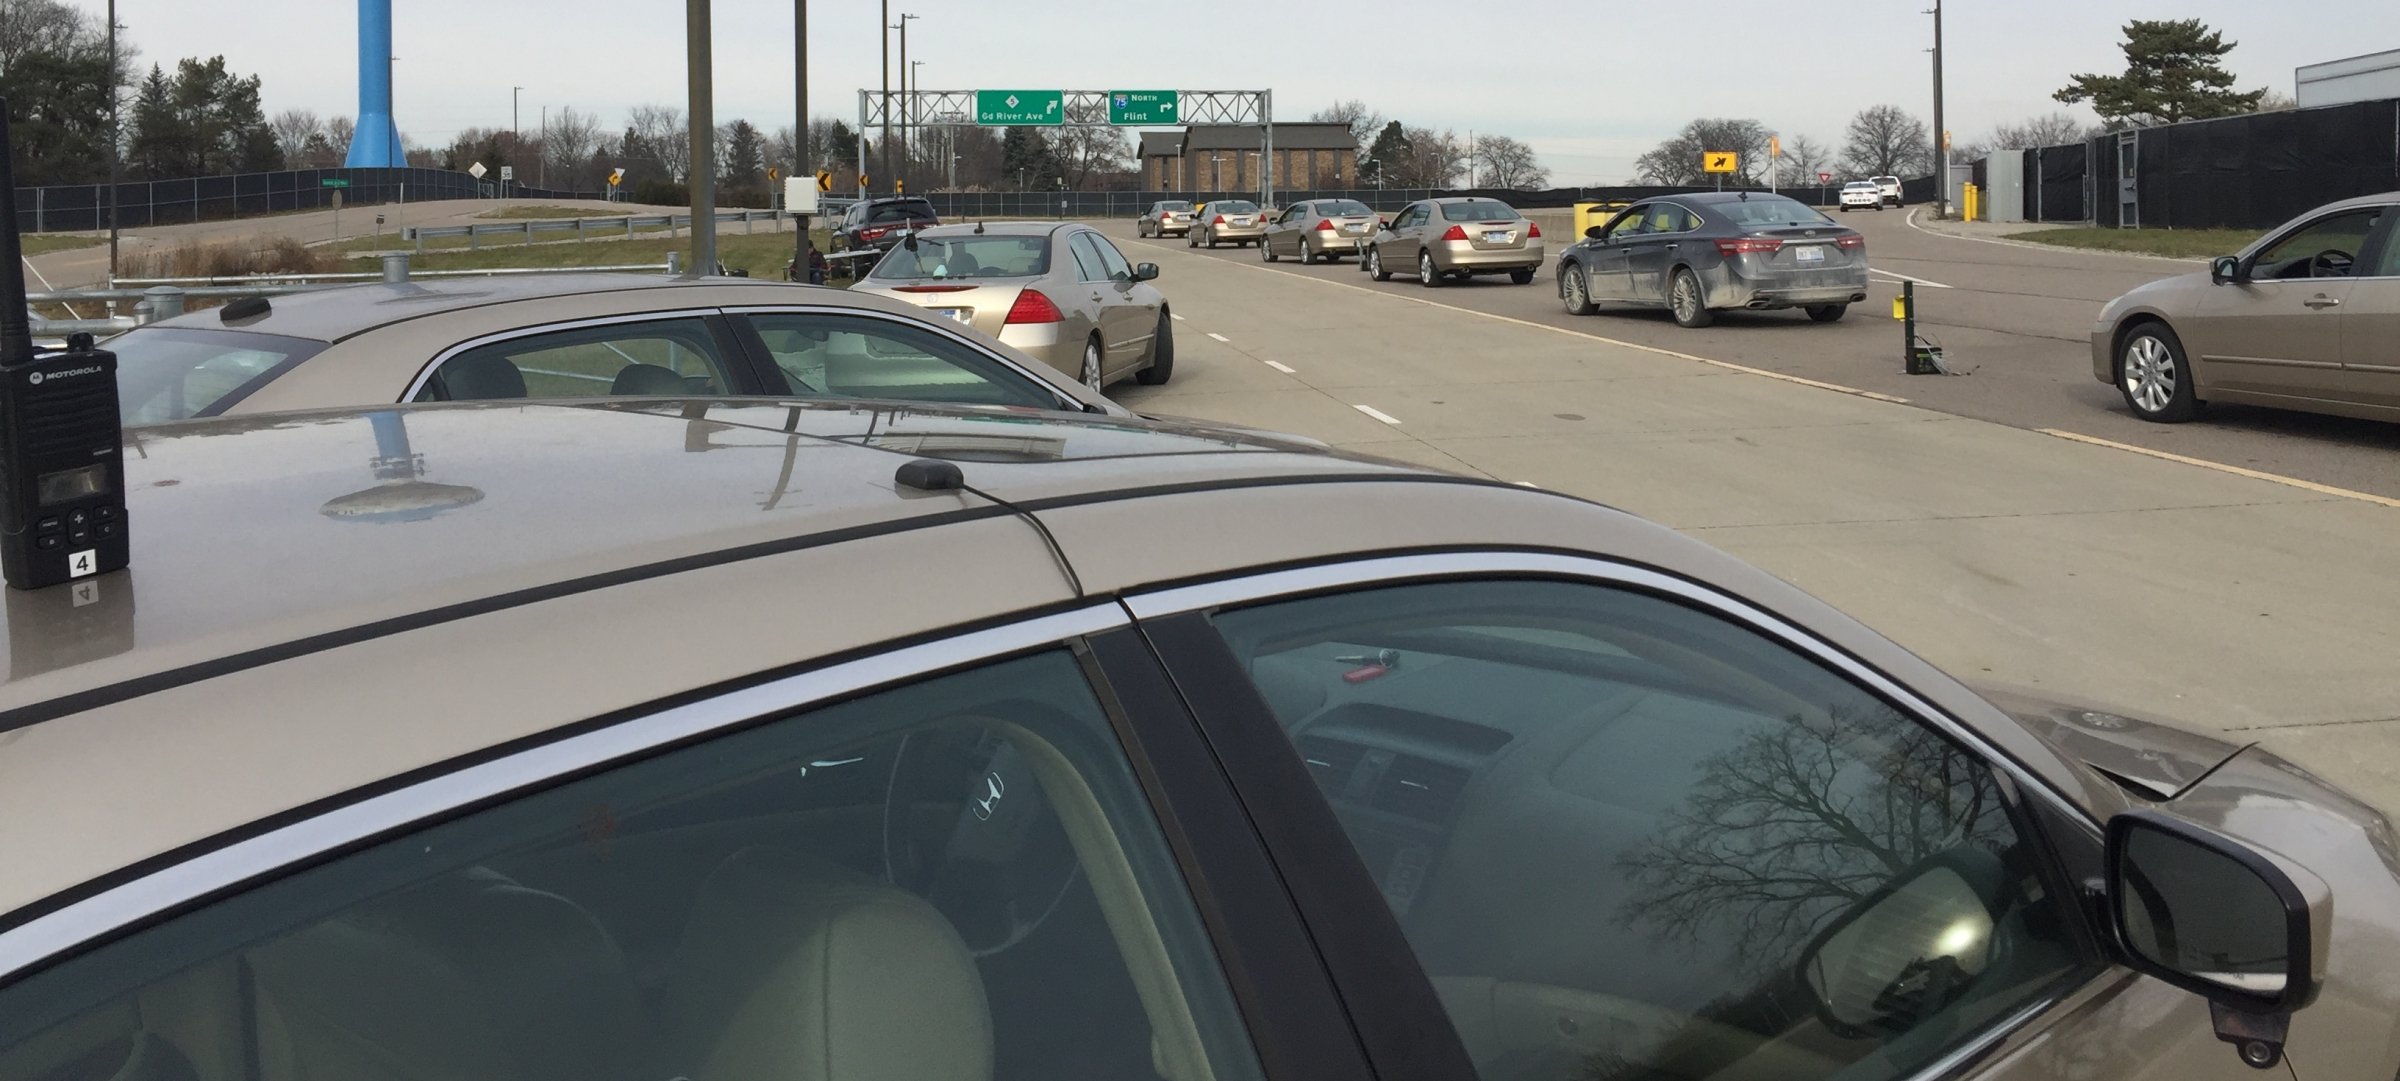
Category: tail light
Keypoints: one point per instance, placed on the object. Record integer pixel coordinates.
(1324, 225)
(1739, 245)
(1533, 231)
(1220, 220)
(1852, 241)
(872, 234)
(931, 288)
(1033, 307)
(1457, 232)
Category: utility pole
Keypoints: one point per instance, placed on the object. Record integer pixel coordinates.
(1941, 135)
(516, 135)
(892, 177)
(885, 170)
(702, 109)
(115, 136)
(806, 166)
(545, 165)
(908, 147)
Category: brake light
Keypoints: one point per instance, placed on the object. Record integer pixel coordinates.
(1220, 220)
(1324, 225)
(1533, 231)
(1851, 242)
(1457, 232)
(931, 288)
(872, 234)
(1737, 245)
(1033, 307)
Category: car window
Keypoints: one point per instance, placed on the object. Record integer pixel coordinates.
(1665, 218)
(1234, 206)
(1111, 260)
(649, 357)
(1769, 210)
(1632, 222)
(1625, 837)
(856, 356)
(1178, 205)
(1088, 264)
(1344, 208)
(969, 256)
(2388, 266)
(2325, 248)
(171, 373)
(957, 879)
(901, 212)
(1478, 210)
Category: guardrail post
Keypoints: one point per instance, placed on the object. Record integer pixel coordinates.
(395, 267)
(166, 301)
(629, 226)
(474, 237)
(749, 224)
(579, 230)
(529, 231)
(674, 262)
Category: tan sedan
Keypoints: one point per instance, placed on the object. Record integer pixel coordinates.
(845, 742)
(1456, 237)
(1319, 230)
(2306, 318)
(1062, 293)
(1238, 222)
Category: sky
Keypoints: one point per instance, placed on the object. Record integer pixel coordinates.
(1591, 86)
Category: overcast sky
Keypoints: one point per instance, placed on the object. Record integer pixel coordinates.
(1589, 85)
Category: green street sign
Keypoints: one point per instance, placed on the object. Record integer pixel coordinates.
(1011, 108)
(333, 182)
(1143, 107)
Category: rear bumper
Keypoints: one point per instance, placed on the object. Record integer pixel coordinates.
(1463, 255)
(1041, 342)
(1845, 286)
(1236, 232)
(1334, 243)
(1177, 228)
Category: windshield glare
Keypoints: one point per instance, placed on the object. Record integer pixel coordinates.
(967, 257)
(166, 373)
(1770, 210)
(1479, 210)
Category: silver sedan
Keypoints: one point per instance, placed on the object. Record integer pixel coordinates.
(1456, 238)
(1319, 230)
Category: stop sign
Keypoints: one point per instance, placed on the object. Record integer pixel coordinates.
(1824, 178)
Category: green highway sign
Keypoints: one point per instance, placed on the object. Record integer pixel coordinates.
(1143, 107)
(1020, 107)
(333, 182)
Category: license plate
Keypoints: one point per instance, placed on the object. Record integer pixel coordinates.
(1353, 230)
(1502, 237)
(1241, 221)
(1809, 253)
(959, 315)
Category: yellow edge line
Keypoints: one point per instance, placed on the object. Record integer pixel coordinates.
(1728, 365)
(2253, 474)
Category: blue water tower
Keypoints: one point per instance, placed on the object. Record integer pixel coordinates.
(376, 143)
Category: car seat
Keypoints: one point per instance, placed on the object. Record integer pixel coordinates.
(649, 380)
(479, 376)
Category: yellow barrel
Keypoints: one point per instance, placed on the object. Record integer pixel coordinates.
(1591, 214)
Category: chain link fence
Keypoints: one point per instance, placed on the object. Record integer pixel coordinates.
(140, 203)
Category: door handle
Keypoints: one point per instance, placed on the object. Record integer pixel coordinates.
(2322, 301)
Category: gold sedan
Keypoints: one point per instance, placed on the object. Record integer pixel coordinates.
(1230, 221)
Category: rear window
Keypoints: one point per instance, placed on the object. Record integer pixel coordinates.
(1768, 210)
(171, 373)
(967, 257)
(901, 212)
(1343, 208)
(1233, 206)
(1478, 210)
(1860, 185)
(1177, 205)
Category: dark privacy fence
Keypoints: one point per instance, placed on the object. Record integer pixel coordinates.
(2240, 172)
(169, 202)
(1127, 204)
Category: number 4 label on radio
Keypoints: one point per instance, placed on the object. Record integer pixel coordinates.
(82, 563)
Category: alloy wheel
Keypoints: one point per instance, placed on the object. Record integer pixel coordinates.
(1091, 365)
(2150, 374)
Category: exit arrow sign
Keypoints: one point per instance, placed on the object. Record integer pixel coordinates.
(1142, 107)
(1011, 108)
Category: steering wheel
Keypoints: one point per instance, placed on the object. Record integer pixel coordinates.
(967, 827)
(2330, 263)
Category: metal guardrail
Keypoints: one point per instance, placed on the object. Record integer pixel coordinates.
(609, 228)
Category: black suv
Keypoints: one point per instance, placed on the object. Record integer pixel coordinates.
(876, 224)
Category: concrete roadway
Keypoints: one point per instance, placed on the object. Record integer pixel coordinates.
(2014, 317)
(2235, 603)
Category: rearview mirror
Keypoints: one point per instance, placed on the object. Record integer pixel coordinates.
(1907, 951)
(2223, 269)
(1143, 272)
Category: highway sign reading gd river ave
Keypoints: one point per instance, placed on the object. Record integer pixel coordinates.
(1018, 107)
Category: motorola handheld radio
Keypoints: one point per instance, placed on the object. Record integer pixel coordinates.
(62, 473)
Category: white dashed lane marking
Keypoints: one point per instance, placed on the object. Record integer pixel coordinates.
(1219, 337)
(1285, 369)
(1378, 414)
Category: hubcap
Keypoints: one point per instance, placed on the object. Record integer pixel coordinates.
(1091, 366)
(1575, 294)
(2149, 374)
(1374, 262)
(1685, 303)
(1425, 269)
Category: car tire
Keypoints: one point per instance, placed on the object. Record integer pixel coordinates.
(1162, 354)
(1575, 291)
(1687, 301)
(1266, 251)
(1520, 277)
(1845, 208)
(1191, 239)
(2154, 377)
(1093, 376)
(1308, 256)
(1210, 239)
(1427, 274)
(1827, 313)
(1374, 265)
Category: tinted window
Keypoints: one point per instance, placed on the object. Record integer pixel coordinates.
(1088, 264)
(170, 373)
(956, 880)
(1478, 210)
(910, 211)
(2325, 248)
(1768, 210)
(1628, 224)
(1343, 208)
(1111, 260)
(988, 256)
(849, 356)
(1623, 836)
(659, 357)
(1234, 206)
(1175, 205)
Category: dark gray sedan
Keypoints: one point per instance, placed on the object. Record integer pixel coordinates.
(1697, 255)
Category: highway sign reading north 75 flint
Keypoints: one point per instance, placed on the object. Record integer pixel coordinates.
(1143, 107)
(1019, 107)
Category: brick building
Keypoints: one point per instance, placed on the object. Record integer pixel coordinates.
(1225, 158)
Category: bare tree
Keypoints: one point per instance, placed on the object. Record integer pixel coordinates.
(1364, 122)
(1678, 160)
(567, 141)
(30, 27)
(1803, 159)
(2049, 130)
(1884, 140)
(658, 135)
(337, 134)
(1427, 159)
(293, 129)
(2276, 101)
(1085, 153)
(1503, 162)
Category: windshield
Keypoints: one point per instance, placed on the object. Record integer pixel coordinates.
(1859, 185)
(901, 212)
(1769, 210)
(1177, 205)
(168, 373)
(968, 257)
(1344, 208)
(1233, 206)
(1478, 210)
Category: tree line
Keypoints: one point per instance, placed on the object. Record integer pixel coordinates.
(1406, 156)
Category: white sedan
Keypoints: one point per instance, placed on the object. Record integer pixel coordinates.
(1861, 193)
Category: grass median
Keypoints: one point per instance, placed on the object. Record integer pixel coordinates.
(45, 243)
(764, 255)
(2173, 243)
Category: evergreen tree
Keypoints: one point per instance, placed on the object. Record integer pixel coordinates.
(2173, 72)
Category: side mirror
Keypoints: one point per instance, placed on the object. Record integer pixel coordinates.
(1385, 223)
(2214, 916)
(1594, 232)
(1908, 950)
(1143, 272)
(2224, 269)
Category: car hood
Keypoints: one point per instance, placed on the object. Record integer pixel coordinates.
(2157, 759)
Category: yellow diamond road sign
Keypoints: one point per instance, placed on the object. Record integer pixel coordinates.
(1719, 161)
(824, 180)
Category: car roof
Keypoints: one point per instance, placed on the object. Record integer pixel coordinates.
(330, 315)
(2382, 199)
(1714, 198)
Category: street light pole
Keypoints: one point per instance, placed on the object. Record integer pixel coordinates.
(545, 158)
(1941, 135)
(916, 82)
(903, 28)
(516, 134)
(886, 167)
(115, 133)
(805, 167)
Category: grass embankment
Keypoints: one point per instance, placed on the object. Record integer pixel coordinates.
(45, 243)
(764, 255)
(2173, 243)
(392, 240)
(520, 213)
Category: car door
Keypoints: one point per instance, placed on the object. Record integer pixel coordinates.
(2278, 332)
(1650, 254)
(991, 874)
(658, 354)
(850, 354)
(1398, 244)
(1080, 303)
(1128, 308)
(1618, 818)
(1604, 257)
(2371, 323)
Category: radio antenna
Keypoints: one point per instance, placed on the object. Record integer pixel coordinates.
(16, 325)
